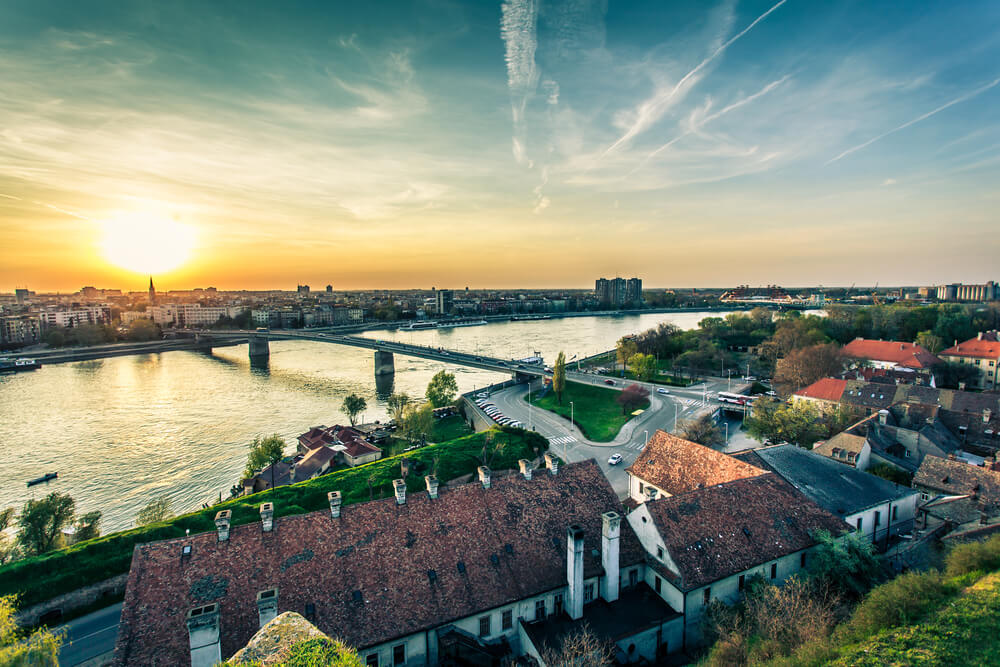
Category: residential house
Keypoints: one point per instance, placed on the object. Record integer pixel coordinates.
(847, 448)
(960, 501)
(892, 355)
(983, 352)
(871, 505)
(953, 477)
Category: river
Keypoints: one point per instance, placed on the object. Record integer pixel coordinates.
(124, 430)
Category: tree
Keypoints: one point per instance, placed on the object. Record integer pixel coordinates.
(559, 376)
(930, 342)
(41, 522)
(88, 526)
(156, 510)
(36, 649)
(397, 406)
(804, 366)
(774, 422)
(441, 390)
(951, 375)
(580, 648)
(8, 550)
(846, 564)
(624, 350)
(632, 397)
(353, 406)
(418, 421)
(704, 431)
(264, 452)
(643, 366)
(142, 330)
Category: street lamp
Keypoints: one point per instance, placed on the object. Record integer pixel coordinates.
(647, 438)
(674, 430)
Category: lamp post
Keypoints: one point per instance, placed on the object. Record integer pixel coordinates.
(565, 460)
(674, 430)
(647, 438)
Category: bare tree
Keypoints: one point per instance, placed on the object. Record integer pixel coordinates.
(580, 648)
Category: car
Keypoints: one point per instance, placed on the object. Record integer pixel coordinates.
(662, 390)
(749, 378)
(482, 394)
(615, 459)
(517, 424)
(770, 393)
(609, 382)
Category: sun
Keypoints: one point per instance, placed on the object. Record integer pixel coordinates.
(146, 243)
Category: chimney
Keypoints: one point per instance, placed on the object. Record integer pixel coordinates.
(980, 336)
(986, 415)
(432, 485)
(650, 492)
(883, 417)
(267, 606)
(203, 635)
(400, 488)
(267, 517)
(525, 467)
(484, 476)
(610, 531)
(574, 571)
(335, 500)
(951, 456)
(552, 463)
(222, 524)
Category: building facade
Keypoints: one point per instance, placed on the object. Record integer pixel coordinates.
(981, 352)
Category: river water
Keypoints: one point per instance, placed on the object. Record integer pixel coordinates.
(124, 430)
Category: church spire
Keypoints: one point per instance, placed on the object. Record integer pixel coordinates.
(152, 291)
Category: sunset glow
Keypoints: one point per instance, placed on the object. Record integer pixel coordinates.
(146, 243)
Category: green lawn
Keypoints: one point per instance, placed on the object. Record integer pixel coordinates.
(449, 428)
(43, 577)
(595, 409)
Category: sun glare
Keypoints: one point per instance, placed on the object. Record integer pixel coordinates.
(147, 243)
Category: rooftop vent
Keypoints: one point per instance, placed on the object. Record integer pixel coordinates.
(335, 500)
(494, 559)
(509, 548)
(432, 575)
(432, 485)
(222, 524)
(186, 550)
(525, 467)
(400, 488)
(461, 567)
(357, 597)
(267, 517)
(552, 463)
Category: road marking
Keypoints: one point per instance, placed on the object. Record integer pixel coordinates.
(564, 440)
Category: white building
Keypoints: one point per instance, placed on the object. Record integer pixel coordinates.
(76, 316)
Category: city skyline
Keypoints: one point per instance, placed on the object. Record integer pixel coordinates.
(514, 144)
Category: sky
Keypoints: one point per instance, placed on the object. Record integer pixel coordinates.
(522, 143)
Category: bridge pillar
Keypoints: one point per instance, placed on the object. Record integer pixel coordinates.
(384, 363)
(260, 349)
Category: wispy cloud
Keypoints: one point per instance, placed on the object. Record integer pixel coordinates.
(957, 100)
(519, 31)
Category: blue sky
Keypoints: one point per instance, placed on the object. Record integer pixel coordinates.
(516, 143)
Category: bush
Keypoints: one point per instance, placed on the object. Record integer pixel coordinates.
(974, 557)
(901, 601)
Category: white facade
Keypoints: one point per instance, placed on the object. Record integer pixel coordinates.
(76, 316)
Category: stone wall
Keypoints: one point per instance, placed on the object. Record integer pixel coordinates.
(70, 602)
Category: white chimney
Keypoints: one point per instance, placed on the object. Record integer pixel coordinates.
(986, 415)
(222, 524)
(552, 463)
(267, 606)
(883, 417)
(484, 476)
(203, 635)
(610, 532)
(432, 485)
(267, 517)
(525, 466)
(400, 487)
(574, 571)
(335, 500)
(980, 336)
(650, 492)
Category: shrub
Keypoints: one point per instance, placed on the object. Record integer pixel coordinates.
(903, 600)
(974, 556)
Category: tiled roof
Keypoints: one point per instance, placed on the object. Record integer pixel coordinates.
(988, 347)
(380, 570)
(909, 355)
(716, 532)
(958, 478)
(827, 389)
(312, 462)
(844, 447)
(314, 437)
(677, 465)
(354, 442)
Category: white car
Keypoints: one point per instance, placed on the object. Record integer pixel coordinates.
(662, 390)
(615, 459)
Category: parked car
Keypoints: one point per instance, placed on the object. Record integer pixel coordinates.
(662, 390)
(609, 382)
(615, 459)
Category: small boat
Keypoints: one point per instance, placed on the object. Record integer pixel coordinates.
(18, 365)
(47, 477)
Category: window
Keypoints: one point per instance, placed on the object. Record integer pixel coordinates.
(372, 660)
(742, 582)
(310, 612)
(641, 487)
(656, 583)
(925, 497)
(484, 626)
(878, 518)
(539, 609)
(507, 620)
(774, 570)
(895, 512)
(802, 559)
(399, 655)
(861, 520)
(558, 606)
(707, 595)
(659, 552)
(588, 593)
(633, 577)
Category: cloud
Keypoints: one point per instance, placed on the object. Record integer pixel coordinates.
(889, 181)
(957, 100)
(519, 31)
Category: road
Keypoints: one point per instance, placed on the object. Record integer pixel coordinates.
(567, 442)
(90, 636)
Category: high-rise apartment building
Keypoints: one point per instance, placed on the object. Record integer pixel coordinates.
(445, 301)
(618, 291)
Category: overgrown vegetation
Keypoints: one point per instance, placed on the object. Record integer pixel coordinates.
(595, 409)
(24, 649)
(43, 577)
(320, 652)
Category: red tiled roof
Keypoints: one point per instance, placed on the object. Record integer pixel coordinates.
(369, 573)
(988, 347)
(677, 465)
(909, 355)
(827, 389)
(958, 478)
(716, 532)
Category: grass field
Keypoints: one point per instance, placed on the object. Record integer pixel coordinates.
(595, 409)
(449, 428)
(43, 577)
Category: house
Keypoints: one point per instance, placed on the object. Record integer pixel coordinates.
(419, 579)
(848, 448)
(953, 477)
(669, 465)
(705, 544)
(353, 448)
(891, 355)
(317, 436)
(983, 352)
(871, 505)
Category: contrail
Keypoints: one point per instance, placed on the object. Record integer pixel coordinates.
(643, 123)
(907, 124)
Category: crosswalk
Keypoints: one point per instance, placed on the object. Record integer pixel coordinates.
(693, 402)
(635, 446)
(563, 440)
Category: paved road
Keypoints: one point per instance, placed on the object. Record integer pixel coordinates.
(567, 442)
(90, 636)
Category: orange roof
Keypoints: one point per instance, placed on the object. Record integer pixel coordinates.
(827, 389)
(677, 465)
(987, 346)
(909, 355)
